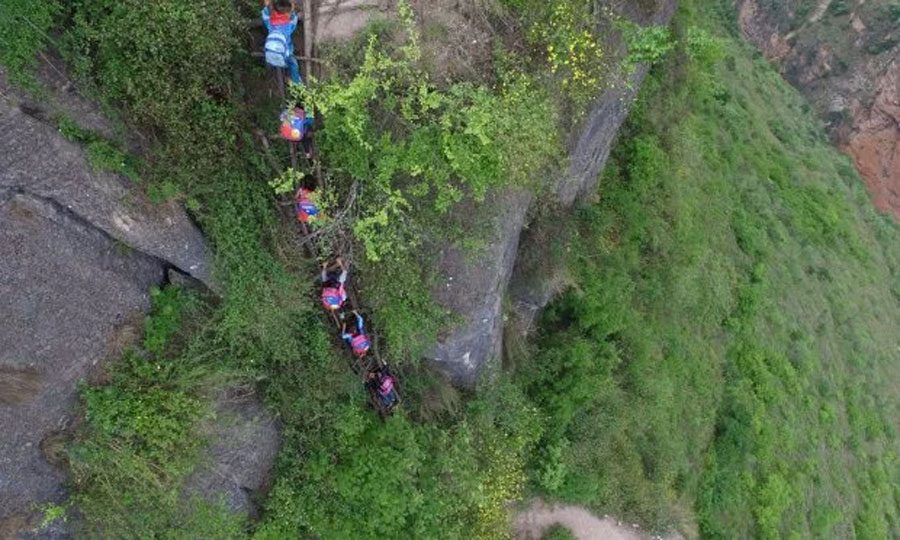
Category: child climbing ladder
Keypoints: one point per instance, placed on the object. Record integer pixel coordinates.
(280, 18)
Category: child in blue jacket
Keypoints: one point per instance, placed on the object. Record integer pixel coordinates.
(281, 21)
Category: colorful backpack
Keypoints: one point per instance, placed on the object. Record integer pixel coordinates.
(294, 124)
(387, 385)
(360, 344)
(306, 209)
(276, 49)
(333, 297)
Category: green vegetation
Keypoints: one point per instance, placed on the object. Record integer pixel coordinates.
(645, 45)
(51, 514)
(725, 360)
(24, 28)
(558, 532)
(344, 473)
(102, 154)
(413, 151)
(730, 343)
(569, 42)
(139, 438)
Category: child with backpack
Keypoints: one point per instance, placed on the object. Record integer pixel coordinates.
(383, 384)
(356, 338)
(297, 126)
(305, 207)
(334, 293)
(280, 20)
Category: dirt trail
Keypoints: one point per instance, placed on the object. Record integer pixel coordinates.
(531, 523)
(342, 19)
(820, 10)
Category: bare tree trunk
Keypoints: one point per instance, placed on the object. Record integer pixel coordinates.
(307, 37)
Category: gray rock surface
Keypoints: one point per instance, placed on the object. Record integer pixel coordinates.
(535, 285)
(66, 291)
(36, 160)
(598, 133)
(539, 275)
(79, 251)
(475, 290)
(244, 441)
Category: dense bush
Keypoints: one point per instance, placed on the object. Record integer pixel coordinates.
(24, 33)
(140, 440)
(409, 144)
(711, 352)
(347, 474)
(172, 79)
(568, 43)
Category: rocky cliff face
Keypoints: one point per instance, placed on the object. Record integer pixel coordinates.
(475, 290)
(244, 440)
(844, 56)
(78, 252)
(68, 292)
(37, 162)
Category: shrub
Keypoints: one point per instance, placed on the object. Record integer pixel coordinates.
(573, 48)
(413, 480)
(558, 532)
(566, 34)
(171, 81)
(646, 45)
(24, 29)
(437, 146)
(165, 319)
(152, 422)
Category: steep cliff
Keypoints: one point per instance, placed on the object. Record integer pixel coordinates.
(474, 289)
(68, 293)
(843, 56)
(79, 250)
(39, 162)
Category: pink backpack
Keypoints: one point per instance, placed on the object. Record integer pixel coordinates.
(359, 344)
(333, 298)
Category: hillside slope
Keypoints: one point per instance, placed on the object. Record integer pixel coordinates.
(728, 350)
(843, 56)
(724, 360)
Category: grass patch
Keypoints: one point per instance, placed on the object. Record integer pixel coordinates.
(102, 154)
(138, 441)
(24, 32)
(734, 292)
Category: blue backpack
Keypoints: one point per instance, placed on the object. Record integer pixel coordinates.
(276, 49)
